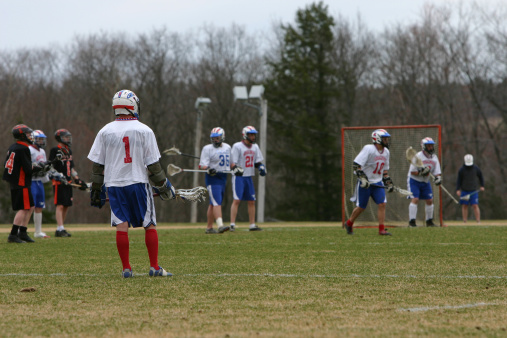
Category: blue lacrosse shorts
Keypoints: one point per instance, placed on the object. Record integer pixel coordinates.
(133, 204)
(377, 193)
(243, 188)
(474, 199)
(216, 194)
(39, 196)
(420, 190)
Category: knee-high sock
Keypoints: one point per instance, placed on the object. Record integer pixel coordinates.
(151, 240)
(37, 221)
(412, 211)
(122, 243)
(429, 211)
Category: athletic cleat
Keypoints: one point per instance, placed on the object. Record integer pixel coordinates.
(127, 273)
(159, 273)
(223, 229)
(211, 231)
(350, 230)
(411, 223)
(429, 223)
(24, 237)
(384, 233)
(14, 239)
(232, 228)
(40, 235)
(255, 228)
(62, 233)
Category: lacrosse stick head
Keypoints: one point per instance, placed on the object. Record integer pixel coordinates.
(197, 194)
(412, 158)
(465, 198)
(173, 170)
(172, 151)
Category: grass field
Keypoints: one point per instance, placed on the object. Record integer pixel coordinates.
(294, 279)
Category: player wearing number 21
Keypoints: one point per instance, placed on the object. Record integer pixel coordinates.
(418, 182)
(125, 159)
(247, 155)
(371, 166)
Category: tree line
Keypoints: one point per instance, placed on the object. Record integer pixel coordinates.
(320, 72)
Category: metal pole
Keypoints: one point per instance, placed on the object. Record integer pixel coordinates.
(195, 182)
(263, 145)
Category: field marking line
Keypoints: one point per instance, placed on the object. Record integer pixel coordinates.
(446, 307)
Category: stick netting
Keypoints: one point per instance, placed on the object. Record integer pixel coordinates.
(402, 137)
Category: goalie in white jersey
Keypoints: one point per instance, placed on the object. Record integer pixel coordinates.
(125, 159)
(418, 182)
(247, 155)
(371, 166)
(216, 158)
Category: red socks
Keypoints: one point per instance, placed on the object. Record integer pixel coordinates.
(381, 227)
(122, 244)
(151, 240)
(349, 223)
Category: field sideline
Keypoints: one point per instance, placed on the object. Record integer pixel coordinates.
(294, 279)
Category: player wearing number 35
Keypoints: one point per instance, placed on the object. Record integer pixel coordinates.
(371, 166)
(125, 159)
(418, 181)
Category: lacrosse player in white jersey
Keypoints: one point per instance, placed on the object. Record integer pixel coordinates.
(216, 158)
(38, 154)
(125, 159)
(371, 166)
(418, 182)
(247, 155)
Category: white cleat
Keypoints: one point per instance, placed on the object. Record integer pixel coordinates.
(40, 235)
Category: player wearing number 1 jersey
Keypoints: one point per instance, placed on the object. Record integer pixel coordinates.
(247, 155)
(371, 166)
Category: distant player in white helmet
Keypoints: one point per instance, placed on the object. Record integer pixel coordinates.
(371, 166)
(418, 182)
(216, 158)
(247, 155)
(125, 159)
(468, 185)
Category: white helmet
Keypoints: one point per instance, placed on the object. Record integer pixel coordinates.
(379, 136)
(39, 138)
(424, 142)
(217, 132)
(126, 102)
(248, 130)
(469, 160)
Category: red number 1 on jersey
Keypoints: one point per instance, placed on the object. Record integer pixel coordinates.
(127, 158)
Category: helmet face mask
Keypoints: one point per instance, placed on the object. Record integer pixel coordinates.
(126, 102)
(64, 136)
(469, 160)
(428, 145)
(217, 136)
(22, 132)
(39, 138)
(250, 134)
(382, 137)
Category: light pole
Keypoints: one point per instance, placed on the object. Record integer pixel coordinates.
(201, 104)
(256, 93)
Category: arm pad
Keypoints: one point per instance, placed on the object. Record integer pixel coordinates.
(97, 176)
(157, 176)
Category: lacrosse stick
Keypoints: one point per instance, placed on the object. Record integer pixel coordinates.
(173, 170)
(416, 161)
(197, 194)
(176, 151)
(399, 190)
(467, 197)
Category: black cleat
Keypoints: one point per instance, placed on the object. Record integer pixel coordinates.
(429, 223)
(350, 230)
(223, 229)
(211, 231)
(411, 223)
(255, 228)
(384, 233)
(62, 233)
(14, 239)
(24, 237)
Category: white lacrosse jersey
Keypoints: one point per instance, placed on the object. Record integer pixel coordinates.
(373, 162)
(246, 157)
(125, 148)
(38, 155)
(432, 162)
(217, 158)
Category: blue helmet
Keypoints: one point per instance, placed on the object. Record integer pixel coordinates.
(217, 132)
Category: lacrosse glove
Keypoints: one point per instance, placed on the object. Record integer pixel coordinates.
(262, 170)
(82, 184)
(424, 171)
(363, 179)
(437, 180)
(238, 171)
(98, 197)
(41, 167)
(388, 183)
(165, 191)
(212, 172)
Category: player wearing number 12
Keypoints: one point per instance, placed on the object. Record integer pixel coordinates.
(371, 166)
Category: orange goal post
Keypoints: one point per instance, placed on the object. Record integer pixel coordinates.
(402, 137)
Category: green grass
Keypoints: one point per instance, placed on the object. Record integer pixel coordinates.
(290, 281)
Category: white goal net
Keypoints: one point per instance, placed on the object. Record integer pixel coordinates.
(402, 137)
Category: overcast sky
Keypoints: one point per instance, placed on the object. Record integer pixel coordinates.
(42, 23)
